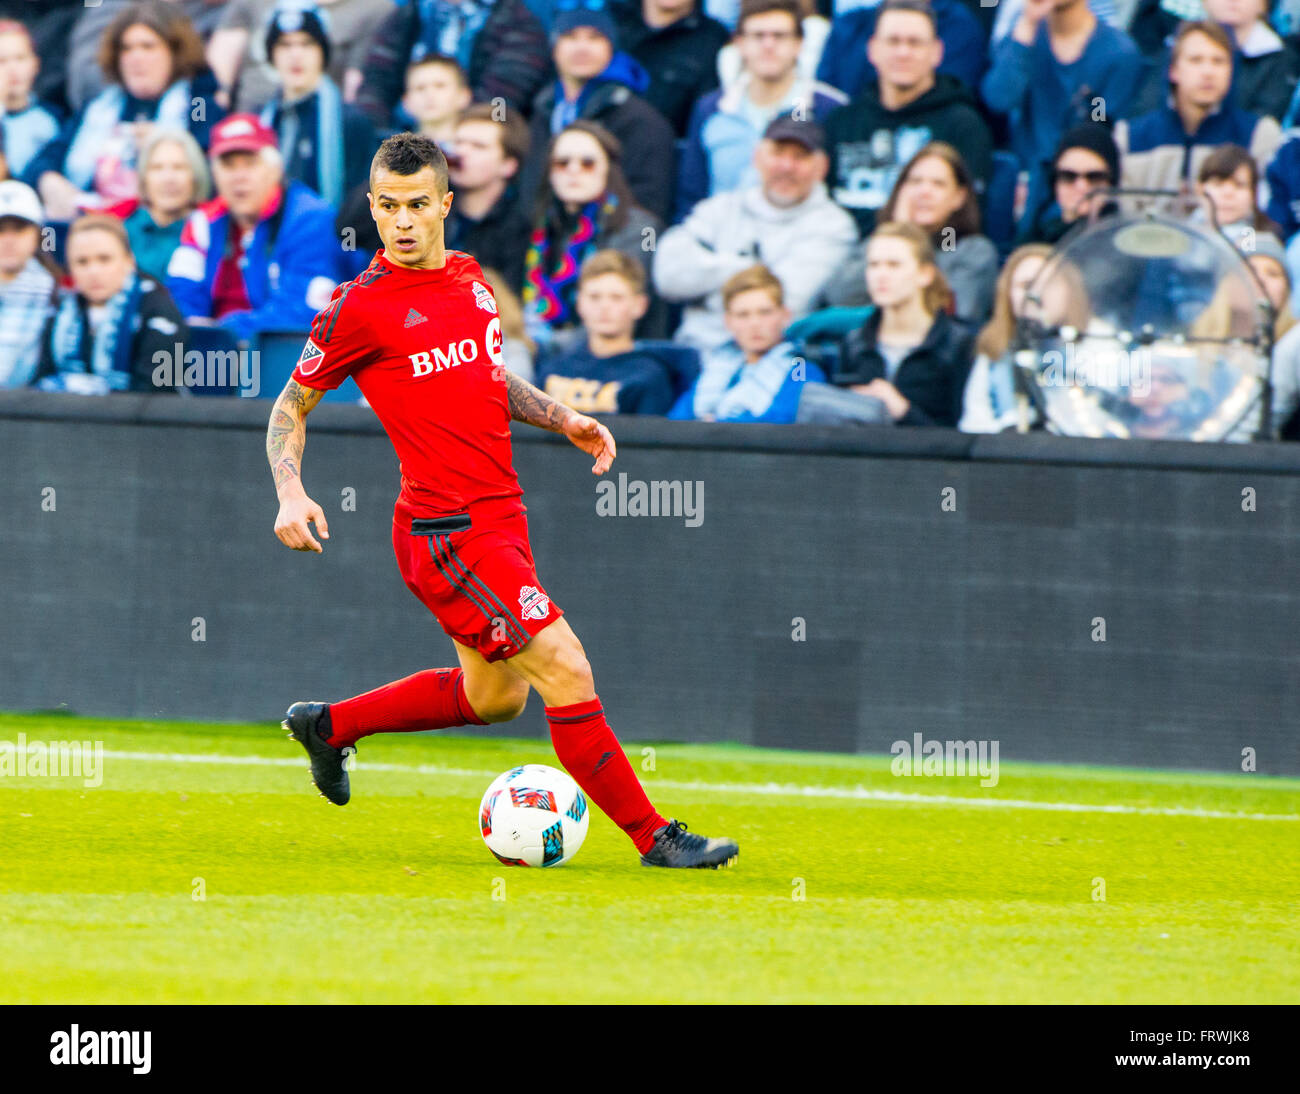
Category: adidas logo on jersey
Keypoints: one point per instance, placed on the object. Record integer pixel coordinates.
(414, 318)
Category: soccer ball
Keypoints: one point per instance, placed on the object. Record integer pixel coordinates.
(533, 815)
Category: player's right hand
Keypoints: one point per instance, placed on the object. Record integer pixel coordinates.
(291, 525)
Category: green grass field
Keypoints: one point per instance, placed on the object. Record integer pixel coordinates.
(853, 884)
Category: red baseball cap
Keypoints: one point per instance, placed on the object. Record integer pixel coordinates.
(240, 133)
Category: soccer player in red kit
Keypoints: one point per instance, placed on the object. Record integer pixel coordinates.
(420, 334)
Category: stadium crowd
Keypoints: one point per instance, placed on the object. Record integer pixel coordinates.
(688, 208)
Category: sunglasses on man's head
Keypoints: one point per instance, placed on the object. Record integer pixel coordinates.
(1092, 178)
(587, 163)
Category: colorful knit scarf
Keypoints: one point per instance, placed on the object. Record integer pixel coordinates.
(550, 281)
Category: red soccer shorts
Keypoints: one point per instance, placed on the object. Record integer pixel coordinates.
(480, 582)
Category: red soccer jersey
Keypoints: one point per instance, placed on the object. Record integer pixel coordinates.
(424, 347)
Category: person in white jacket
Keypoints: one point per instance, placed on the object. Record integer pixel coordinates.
(788, 222)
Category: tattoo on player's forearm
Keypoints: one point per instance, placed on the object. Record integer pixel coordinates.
(286, 433)
(527, 404)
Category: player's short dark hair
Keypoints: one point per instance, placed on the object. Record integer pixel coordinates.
(919, 7)
(409, 154)
(511, 127)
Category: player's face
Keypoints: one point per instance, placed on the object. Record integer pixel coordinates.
(99, 265)
(408, 211)
(756, 321)
(609, 306)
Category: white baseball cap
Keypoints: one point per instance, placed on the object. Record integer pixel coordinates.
(19, 200)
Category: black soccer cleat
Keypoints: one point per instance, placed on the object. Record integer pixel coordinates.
(309, 724)
(674, 846)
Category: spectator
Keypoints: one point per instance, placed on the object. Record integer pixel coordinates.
(1163, 150)
(1267, 259)
(488, 218)
(1264, 67)
(584, 207)
(909, 354)
(609, 371)
(871, 138)
(935, 192)
(437, 90)
(499, 43)
(598, 84)
(116, 326)
(154, 62)
(28, 284)
(990, 403)
(846, 60)
(237, 48)
(787, 222)
(726, 125)
(326, 144)
(174, 181)
(262, 255)
(85, 78)
(676, 43)
(49, 26)
(28, 125)
(1059, 67)
(814, 29)
(518, 351)
(756, 376)
(1086, 160)
(1228, 183)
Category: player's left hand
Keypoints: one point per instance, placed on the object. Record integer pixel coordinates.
(593, 438)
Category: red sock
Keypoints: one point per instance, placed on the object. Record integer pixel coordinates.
(591, 753)
(433, 699)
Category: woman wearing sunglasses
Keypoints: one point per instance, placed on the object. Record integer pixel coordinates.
(1086, 160)
(584, 206)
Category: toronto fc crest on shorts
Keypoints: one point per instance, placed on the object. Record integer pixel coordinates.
(534, 602)
(483, 298)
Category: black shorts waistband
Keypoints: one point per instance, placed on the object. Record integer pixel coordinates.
(437, 526)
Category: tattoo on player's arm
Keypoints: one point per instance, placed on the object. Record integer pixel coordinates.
(286, 433)
(527, 404)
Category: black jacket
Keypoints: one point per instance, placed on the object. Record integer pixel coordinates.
(682, 58)
(649, 151)
(932, 377)
(499, 240)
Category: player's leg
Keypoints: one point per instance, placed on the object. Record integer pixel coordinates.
(554, 662)
(495, 692)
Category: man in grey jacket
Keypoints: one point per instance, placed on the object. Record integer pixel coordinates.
(787, 222)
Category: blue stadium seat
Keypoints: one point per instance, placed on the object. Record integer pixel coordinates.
(999, 202)
(278, 353)
(209, 341)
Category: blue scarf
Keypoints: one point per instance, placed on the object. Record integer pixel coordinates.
(108, 358)
(328, 148)
(102, 117)
(449, 27)
(728, 386)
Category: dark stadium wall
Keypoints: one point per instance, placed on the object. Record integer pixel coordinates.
(1107, 602)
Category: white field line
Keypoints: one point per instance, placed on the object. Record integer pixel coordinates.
(784, 790)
